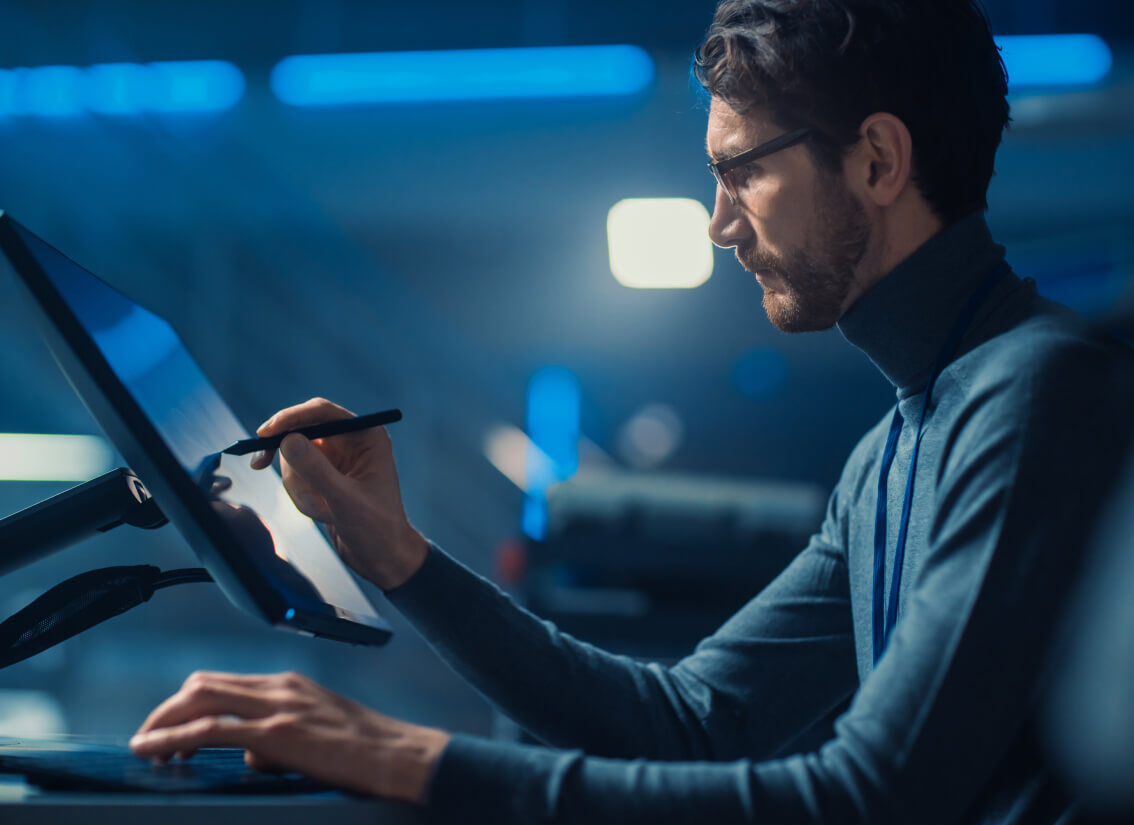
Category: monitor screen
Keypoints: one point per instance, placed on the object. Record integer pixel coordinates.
(146, 391)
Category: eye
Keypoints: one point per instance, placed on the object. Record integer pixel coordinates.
(744, 174)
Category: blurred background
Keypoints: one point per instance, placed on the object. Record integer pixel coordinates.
(383, 247)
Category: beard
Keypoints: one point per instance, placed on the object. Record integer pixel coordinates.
(816, 277)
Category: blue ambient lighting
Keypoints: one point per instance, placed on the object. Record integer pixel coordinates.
(761, 374)
(121, 88)
(9, 92)
(289, 615)
(533, 519)
(196, 86)
(553, 421)
(53, 91)
(120, 343)
(117, 88)
(553, 404)
(474, 74)
(1055, 59)
(1091, 287)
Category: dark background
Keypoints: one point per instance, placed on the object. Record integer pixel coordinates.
(433, 257)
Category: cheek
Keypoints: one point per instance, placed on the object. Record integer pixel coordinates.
(780, 215)
(770, 216)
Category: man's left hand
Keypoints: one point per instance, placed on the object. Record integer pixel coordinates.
(286, 722)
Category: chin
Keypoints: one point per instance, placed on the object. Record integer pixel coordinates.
(788, 314)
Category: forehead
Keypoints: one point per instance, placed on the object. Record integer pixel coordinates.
(730, 132)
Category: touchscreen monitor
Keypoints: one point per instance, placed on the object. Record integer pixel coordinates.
(155, 404)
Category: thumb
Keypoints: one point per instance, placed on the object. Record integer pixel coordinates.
(313, 468)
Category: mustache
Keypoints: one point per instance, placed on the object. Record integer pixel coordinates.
(755, 260)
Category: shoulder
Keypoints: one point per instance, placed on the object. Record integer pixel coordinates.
(1046, 376)
(1049, 352)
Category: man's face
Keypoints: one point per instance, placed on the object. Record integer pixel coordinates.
(798, 228)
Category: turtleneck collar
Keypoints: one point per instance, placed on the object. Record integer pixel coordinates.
(902, 322)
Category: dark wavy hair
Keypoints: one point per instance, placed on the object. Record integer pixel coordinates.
(830, 64)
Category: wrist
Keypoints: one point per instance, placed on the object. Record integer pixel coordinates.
(408, 557)
(419, 757)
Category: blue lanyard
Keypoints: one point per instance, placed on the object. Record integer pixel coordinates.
(883, 629)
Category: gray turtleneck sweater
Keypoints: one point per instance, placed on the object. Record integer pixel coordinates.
(1025, 428)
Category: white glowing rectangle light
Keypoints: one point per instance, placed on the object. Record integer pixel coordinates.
(43, 457)
(659, 243)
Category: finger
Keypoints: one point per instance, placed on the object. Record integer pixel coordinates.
(207, 732)
(185, 707)
(261, 763)
(303, 495)
(312, 411)
(309, 475)
(248, 679)
(213, 700)
(314, 507)
(262, 459)
(251, 681)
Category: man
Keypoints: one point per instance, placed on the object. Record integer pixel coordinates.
(853, 143)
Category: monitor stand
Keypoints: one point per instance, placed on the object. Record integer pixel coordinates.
(82, 512)
(114, 499)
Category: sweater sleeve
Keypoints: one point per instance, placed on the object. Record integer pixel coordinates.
(950, 696)
(729, 698)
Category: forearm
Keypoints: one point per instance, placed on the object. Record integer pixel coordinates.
(482, 781)
(565, 692)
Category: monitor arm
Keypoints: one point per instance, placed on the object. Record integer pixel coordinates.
(82, 512)
(97, 506)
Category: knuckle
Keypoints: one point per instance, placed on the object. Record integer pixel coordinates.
(280, 723)
(198, 690)
(292, 701)
(196, 680)
(292, 679)
(208, 726)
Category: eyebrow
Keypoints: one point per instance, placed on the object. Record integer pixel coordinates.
(763, 149)
(715, 158)
(731, 150)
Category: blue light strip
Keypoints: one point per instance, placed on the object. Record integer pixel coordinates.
(120, 88)
(476, 74)
(553, 407)
(1055, 59)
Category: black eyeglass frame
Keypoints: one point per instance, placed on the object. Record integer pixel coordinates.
(721, 168)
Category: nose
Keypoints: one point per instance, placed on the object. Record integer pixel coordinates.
(728, 228)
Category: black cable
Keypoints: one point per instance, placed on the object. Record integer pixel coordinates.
(82, 602)
(183, 575)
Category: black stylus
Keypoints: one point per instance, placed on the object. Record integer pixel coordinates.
(346, 425)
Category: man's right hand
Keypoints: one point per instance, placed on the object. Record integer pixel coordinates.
(349, 483)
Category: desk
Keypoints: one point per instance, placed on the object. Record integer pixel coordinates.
(21, 804)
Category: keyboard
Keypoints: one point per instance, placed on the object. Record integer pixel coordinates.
(79, 764)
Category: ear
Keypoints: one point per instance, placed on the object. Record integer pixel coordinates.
(882, 163)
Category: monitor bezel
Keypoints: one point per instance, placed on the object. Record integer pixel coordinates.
(137, 439)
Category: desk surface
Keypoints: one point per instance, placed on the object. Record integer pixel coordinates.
(21, 804)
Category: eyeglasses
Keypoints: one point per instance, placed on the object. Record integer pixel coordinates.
(721, 168)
